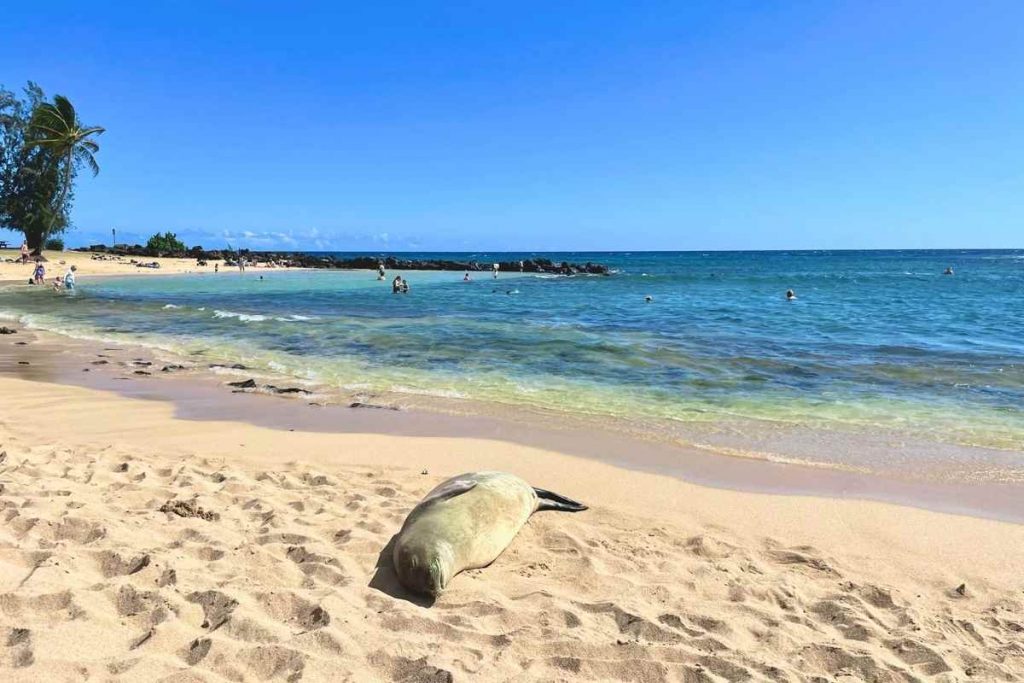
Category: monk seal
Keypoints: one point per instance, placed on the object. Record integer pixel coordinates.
(465, 523)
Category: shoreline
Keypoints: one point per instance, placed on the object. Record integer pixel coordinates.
(741, 454)
(204, 396)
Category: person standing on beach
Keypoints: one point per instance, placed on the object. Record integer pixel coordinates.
(24, 251)
(494, 269)
(39, 275)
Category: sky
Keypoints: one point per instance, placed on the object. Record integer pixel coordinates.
(596, 125)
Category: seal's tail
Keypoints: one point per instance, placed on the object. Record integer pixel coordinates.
(553, 501)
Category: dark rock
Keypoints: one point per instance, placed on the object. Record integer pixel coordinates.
(286, 390)
(100, 362)
(236, 366)
(246, 384)
(172, 368)
(142, 372)
(23, 362)
(364, 262)
(8, 330)
(373, 406)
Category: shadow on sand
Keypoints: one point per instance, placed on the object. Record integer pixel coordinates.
(386, 581)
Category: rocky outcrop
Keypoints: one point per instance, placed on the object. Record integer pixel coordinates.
(367, 262)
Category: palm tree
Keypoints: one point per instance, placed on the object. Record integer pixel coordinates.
(55, 127)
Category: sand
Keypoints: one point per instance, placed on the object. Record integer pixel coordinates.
(59, 261)
(140, 546)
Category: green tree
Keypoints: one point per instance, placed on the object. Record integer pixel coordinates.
(167, 243)
(29, 178)
(55, 127)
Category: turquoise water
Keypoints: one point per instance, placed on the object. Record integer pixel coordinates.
(874, 338)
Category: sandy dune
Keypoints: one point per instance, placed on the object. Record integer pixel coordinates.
(135, 546)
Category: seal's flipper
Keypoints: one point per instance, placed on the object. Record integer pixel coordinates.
(553, 501)
(449, 489)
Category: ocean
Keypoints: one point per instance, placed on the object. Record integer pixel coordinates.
(875, 340)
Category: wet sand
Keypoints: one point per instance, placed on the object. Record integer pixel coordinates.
(198, 394)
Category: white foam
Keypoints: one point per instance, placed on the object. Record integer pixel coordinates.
(277, 367)
(440, 393)
(244, 317)
(171, 306)
(295, 318)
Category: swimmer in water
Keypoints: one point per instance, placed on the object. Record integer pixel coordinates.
(790, 295)
(467, 278)
(948, 271)
(649, 298)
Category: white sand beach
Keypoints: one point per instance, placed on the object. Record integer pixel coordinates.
(140, 546)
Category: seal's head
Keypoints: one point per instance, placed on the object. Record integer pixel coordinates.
(425, 569)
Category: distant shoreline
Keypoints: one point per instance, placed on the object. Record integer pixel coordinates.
(331, 260)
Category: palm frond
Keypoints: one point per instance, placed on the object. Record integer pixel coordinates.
(63, 108)
(85, 157)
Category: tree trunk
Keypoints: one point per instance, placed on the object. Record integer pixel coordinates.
(34, 249)
(58, 210)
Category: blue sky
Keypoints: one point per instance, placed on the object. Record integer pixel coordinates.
(546, 126)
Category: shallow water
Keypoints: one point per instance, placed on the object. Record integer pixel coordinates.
(874, 339)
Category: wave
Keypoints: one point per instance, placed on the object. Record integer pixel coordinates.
(295, 318)
(167, 306)
(244, 317)
(439, 393)
(257, 318)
